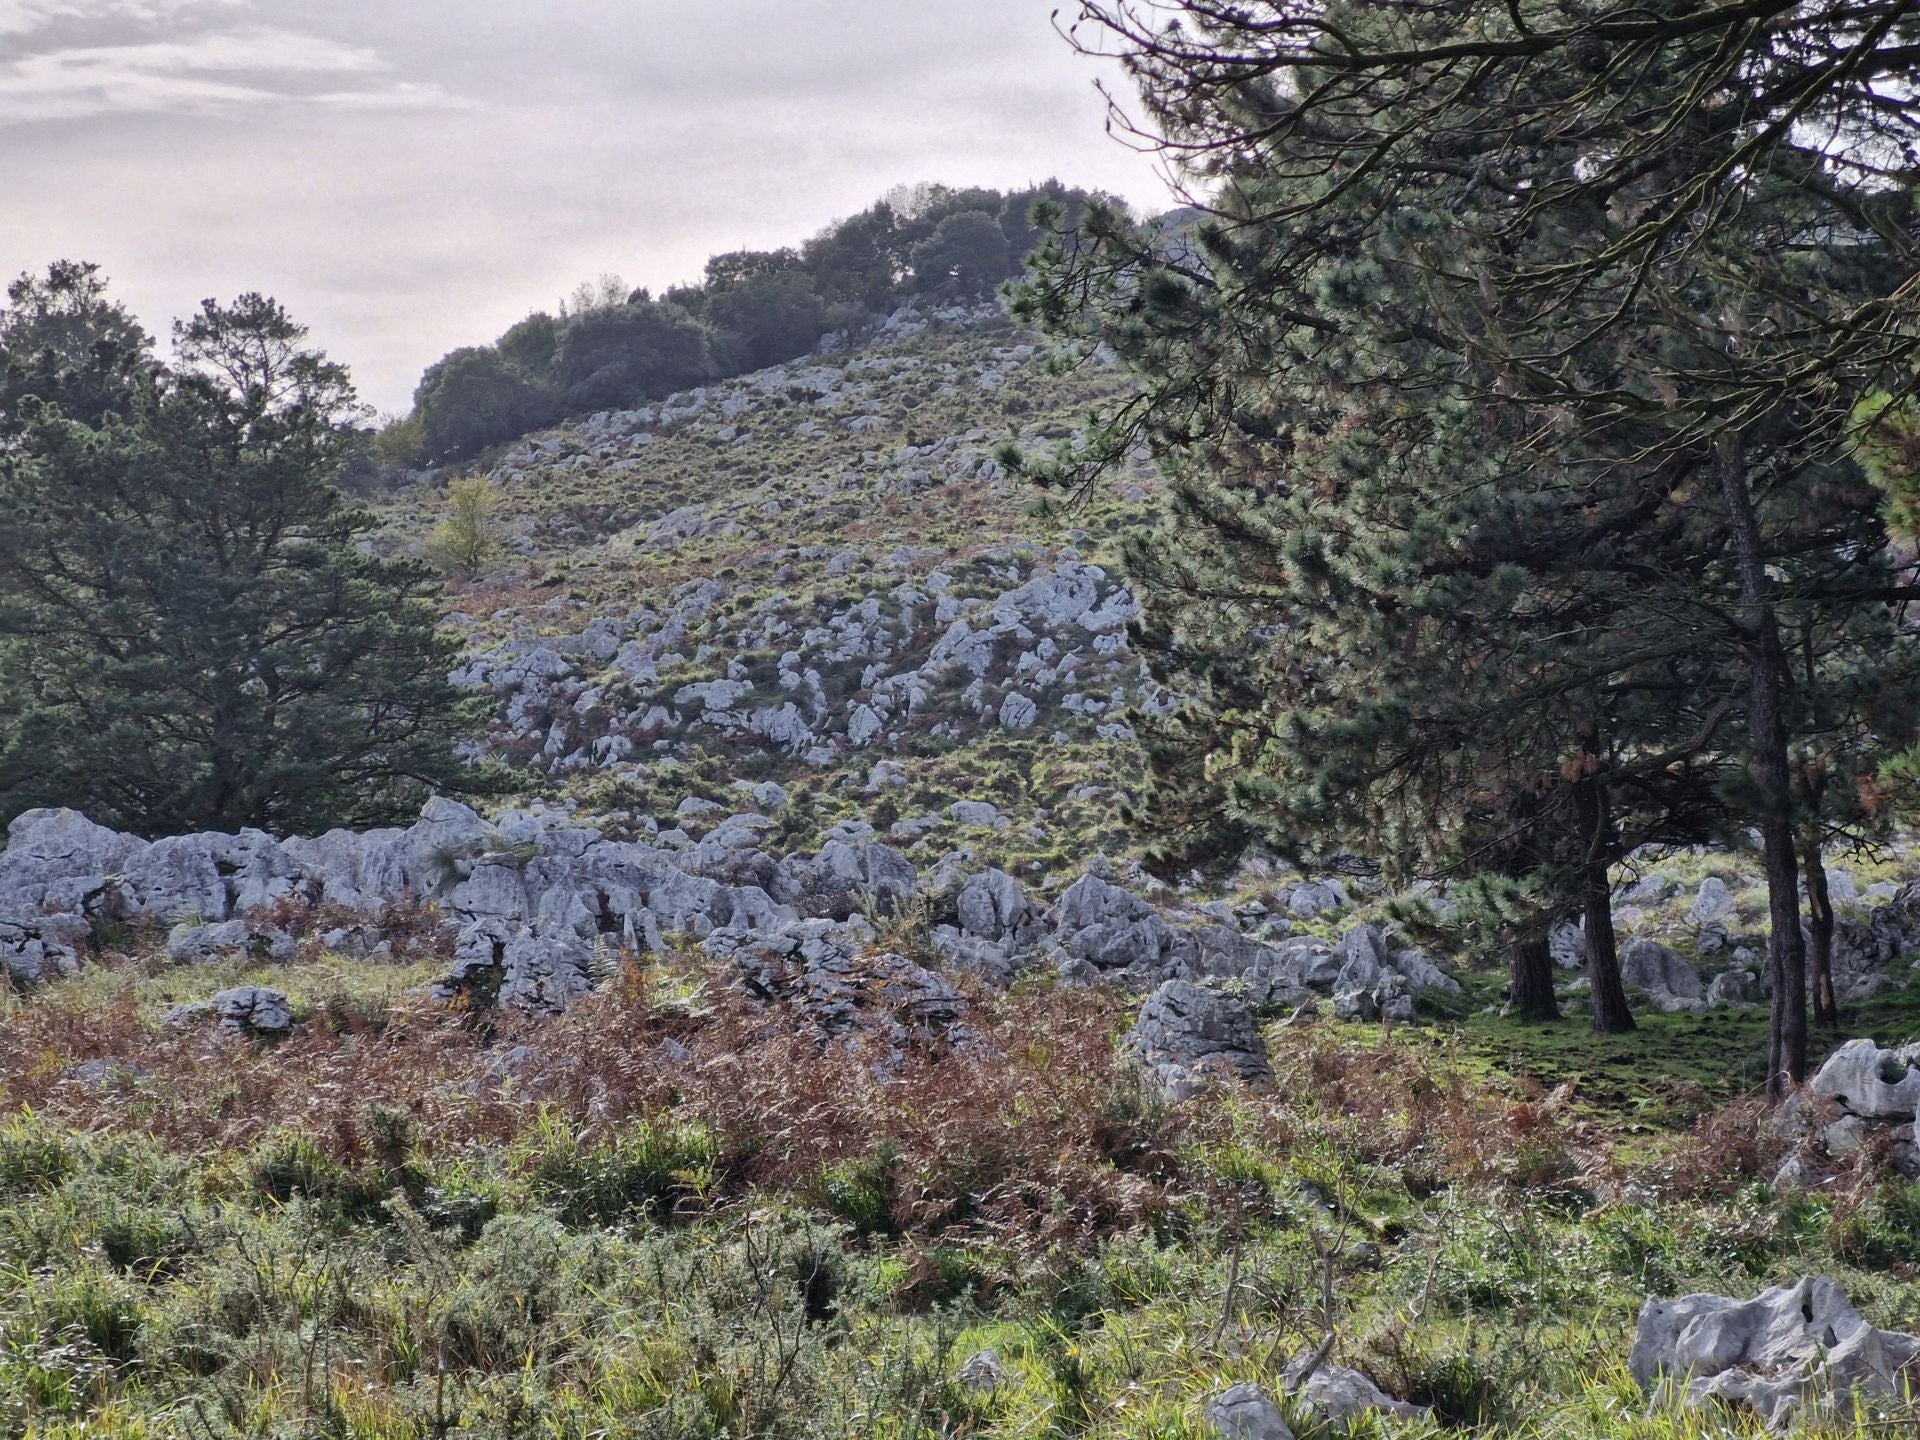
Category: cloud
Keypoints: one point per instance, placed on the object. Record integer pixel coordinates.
(24, 17)
(201, 73)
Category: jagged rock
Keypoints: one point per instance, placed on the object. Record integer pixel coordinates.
(1246, 1412)
(1316, 898)
(1340, 1396)
(1187, 1035)
(1109, 927)
(1787, 1348)
(36, 947)
(1714, 902)
(190, 944)
(254, 1010)
(1369, 943)
(1873, 1083)
(821, 969)
(992, 906)
(1017, 712)
(1669, 981)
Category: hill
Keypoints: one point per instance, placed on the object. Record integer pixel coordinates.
(801, 1050)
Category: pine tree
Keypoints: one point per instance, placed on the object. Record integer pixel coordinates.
(1667, 249)
(192, 635)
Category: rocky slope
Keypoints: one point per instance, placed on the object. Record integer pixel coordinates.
(789, 661)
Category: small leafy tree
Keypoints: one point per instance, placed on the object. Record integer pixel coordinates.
(467, 540)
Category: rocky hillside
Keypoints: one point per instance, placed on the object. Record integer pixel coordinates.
(818, 577)
(801, 1042)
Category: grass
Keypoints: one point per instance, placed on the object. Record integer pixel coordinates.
(372, 1232)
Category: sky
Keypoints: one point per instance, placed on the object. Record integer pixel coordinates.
(408, 176)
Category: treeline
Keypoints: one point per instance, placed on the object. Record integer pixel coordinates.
(608, 349)
(1542, 469)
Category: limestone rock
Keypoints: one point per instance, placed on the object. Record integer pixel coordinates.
(992, 906)
(254, 1010)
(1667, 978)
(1186, 1035)
(1713, 902)
(1871, 1082)
(1787, 1348)
(1340, 1396)
(1246, 1412)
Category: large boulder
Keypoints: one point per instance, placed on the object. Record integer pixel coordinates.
(992, 906)
(1870, 1082)
(1786, 1349)
(1110, 927)
(1669, 981)
(1713, 902)
(1187, 1036)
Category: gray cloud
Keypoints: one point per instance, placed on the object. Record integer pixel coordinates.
(258, 65)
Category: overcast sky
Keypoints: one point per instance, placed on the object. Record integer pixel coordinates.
(412, 175)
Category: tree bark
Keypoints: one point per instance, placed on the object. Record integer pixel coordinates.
(1769, 684)
(1820, 924)
(1611, 1014)
(1530, 979)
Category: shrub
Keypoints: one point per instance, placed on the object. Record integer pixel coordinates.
(647, 1168)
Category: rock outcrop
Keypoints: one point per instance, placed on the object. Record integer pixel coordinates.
(1787, 1349)
(1187, 1036)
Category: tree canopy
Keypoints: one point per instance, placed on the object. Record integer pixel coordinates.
(1507, 386)
(192, 635)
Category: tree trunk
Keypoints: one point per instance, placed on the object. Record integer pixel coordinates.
(1826, 1011)
(1768, 762)
(1530, 979)
(1611, 1014)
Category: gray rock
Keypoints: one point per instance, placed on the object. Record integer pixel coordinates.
(1340, 1396)
(1017, 712)
(1733, 988)
(1788, 1349)
(254, 1010)
(992, 906)
(36, 946)
(1865, 1080)
(1316, 898)
(1650, 966)
(1651, 889)
(1246, 1412)
(1110, 927)
(1187, 1035)
(1714, 902)
(973, 812)
(190, 944)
